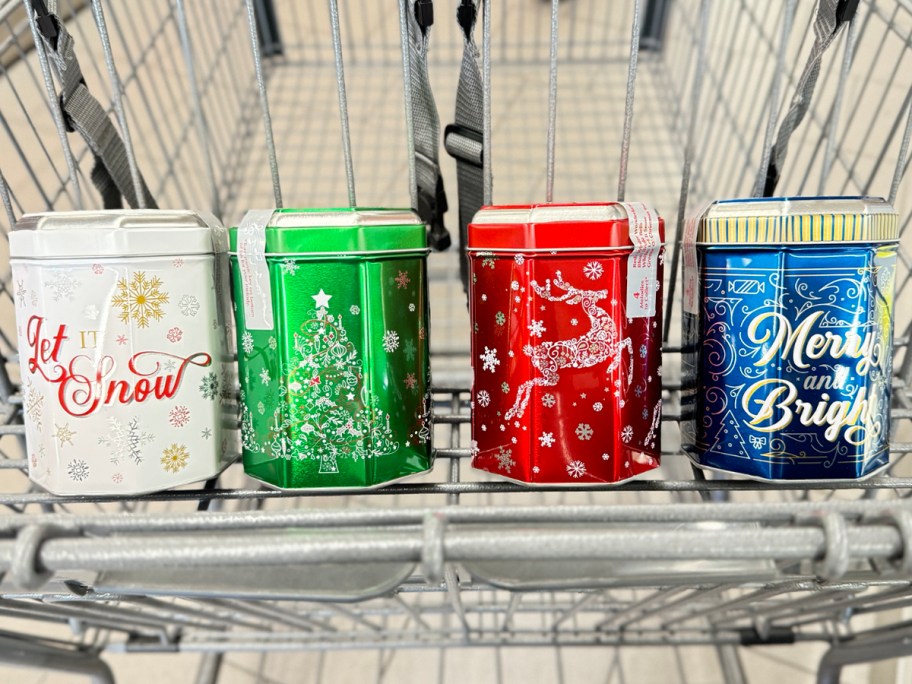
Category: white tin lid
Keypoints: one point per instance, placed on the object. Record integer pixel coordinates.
(120, 233)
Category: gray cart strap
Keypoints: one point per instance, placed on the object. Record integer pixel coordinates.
(831, 16)
(84, 114)
(463, 139)
(432, 202)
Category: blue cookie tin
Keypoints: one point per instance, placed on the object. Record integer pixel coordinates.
(788, 328)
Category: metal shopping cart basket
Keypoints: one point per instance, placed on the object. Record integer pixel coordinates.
(221, 104)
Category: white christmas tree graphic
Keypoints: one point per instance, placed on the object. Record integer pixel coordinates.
(729, 440)
(330, 416)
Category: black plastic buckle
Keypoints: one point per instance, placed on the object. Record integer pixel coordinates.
(772, 180)
(47, 27)
(845, 10)
(471, 134)
(466, 14)
(431, 209)
(424, 14)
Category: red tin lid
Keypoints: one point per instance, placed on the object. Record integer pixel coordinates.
(586, 226)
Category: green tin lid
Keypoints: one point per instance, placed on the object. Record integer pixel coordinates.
(349, 229)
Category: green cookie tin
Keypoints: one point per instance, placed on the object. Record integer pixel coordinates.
(331, 308)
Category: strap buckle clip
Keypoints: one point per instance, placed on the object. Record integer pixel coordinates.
(845, 11)
(431, 208)
(464, 144)
(466, 14)
(424, 14)
(47, 25)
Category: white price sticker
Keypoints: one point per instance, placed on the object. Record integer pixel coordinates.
(256, 290)
(643, 262)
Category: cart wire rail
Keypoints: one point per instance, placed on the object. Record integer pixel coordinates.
(686, 96)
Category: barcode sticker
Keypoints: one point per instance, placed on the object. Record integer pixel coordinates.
(256, 290)
(643, 262)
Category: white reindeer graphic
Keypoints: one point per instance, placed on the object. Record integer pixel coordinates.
(598, 344)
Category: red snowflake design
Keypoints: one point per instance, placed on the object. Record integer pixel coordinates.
(175, 334)
(179, 416)
(117, 478)
(411, 381)
(97, 269)
(402, 280)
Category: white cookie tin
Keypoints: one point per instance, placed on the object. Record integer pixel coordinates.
(125, 368)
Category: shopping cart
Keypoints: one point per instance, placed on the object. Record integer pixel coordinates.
(696, 577)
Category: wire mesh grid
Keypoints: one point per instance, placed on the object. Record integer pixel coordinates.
(455, 558)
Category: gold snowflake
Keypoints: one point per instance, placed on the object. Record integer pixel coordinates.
(174, 458)
(64, 434)
(140, 299)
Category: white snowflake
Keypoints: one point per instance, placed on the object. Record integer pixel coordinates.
(536, 328)
(264, 377)
(593, 270)
(247, 342)
(627, 433)
(484, 297)
(643, 351)
(584, 431)
(536, 470)
(548, 401)
(576, 469)
(597, 406)
(289, 266)
(519, 259)
(573, 321)
(390, 341)
(354, 309)
(90, 312)
(514, 285)
(547, 439)
(272, 343)
(489, 360)
(189, 305)
(125, 441)
(412, 306)
(504, 459)
(62, 286)
(484, 398)
(605, 457)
